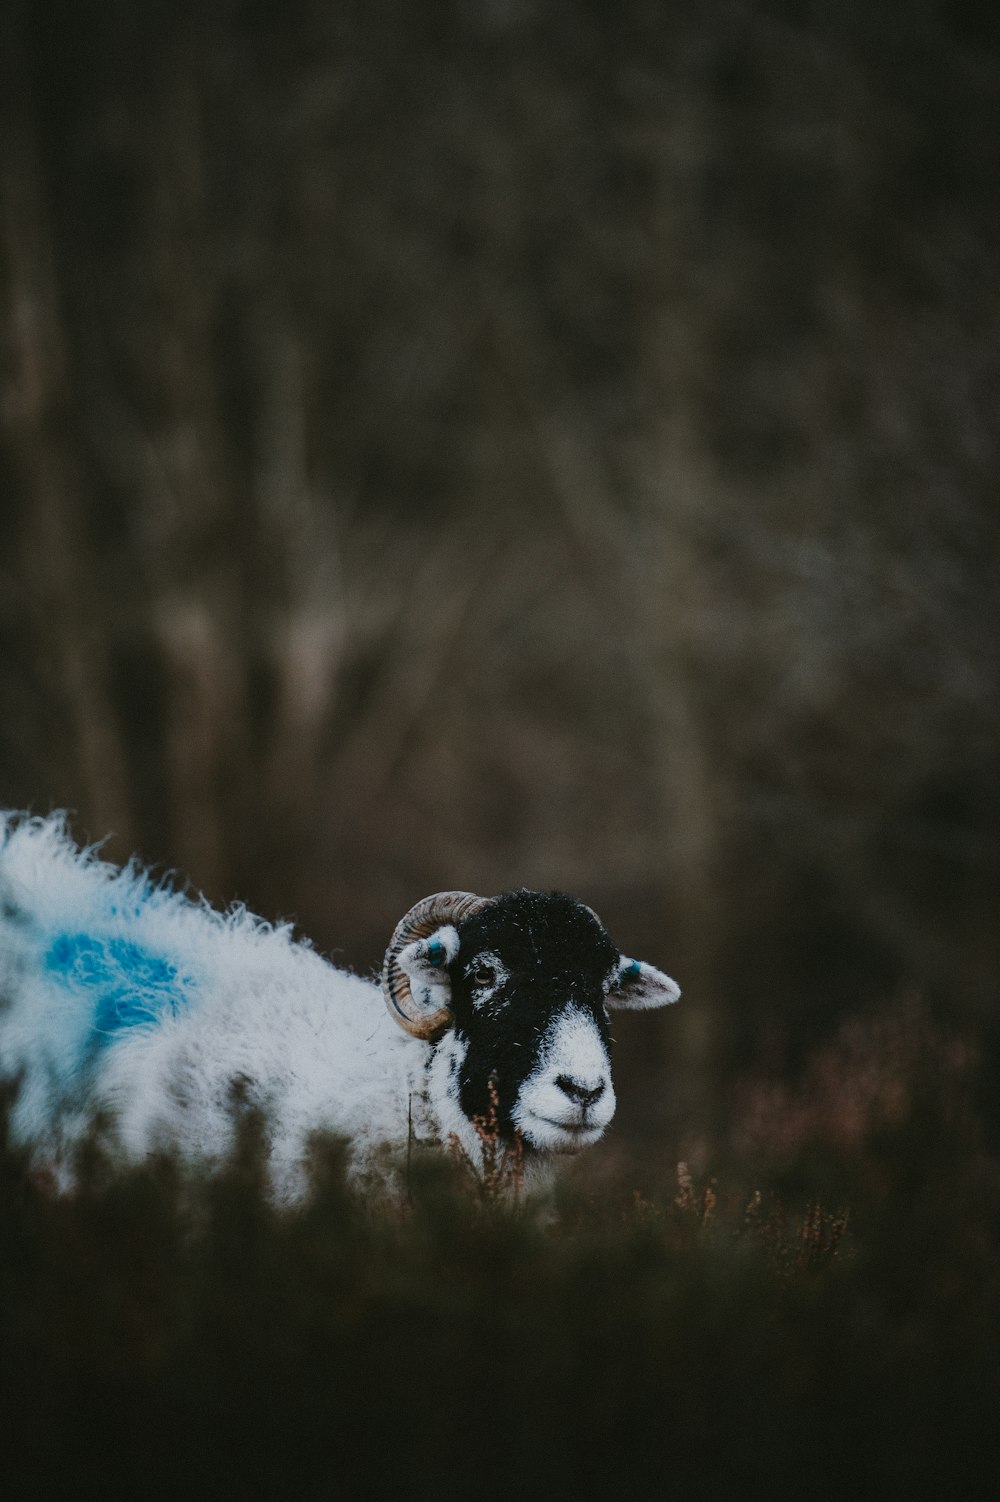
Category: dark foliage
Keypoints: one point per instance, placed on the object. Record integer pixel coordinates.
(167, 1333)
(489, 442)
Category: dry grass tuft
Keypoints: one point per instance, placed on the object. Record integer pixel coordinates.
(792, 1242)
(502, 1173)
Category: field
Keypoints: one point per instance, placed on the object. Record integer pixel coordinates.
(817, 1316)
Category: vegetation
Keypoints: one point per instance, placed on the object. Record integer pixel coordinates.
(167, 1332)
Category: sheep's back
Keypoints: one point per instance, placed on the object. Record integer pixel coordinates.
(120, 993)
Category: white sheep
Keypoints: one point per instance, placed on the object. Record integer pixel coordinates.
(122, 995)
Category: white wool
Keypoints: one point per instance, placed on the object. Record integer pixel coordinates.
(312, 1043)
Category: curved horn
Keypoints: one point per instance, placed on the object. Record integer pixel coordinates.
(421, 921)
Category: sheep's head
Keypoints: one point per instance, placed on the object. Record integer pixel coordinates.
(517, 989)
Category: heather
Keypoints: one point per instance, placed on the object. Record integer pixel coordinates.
(818, 1310)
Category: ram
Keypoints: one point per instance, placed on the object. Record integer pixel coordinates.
(121, 995)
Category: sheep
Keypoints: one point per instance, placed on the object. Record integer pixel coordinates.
(121, 995)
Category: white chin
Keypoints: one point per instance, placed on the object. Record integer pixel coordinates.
(550, 1137)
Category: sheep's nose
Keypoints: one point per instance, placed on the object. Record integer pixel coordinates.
(583, 1095)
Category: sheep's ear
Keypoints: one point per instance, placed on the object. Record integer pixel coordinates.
(638, 986)
(425, 964)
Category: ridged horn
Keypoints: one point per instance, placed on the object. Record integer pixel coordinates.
(420, 922)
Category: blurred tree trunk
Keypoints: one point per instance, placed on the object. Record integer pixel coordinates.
(43, 453)
(688, 792)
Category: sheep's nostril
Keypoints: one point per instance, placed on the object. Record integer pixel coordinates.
(583, 1095)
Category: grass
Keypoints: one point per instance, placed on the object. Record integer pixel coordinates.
(716, 1334)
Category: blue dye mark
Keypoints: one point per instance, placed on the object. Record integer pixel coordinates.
(435, 953)
(129, 985)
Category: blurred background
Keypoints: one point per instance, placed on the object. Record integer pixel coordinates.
(484, 443)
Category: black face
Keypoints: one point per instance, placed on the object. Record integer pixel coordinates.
(522, 962)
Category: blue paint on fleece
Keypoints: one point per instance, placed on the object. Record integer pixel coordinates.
(128, 984)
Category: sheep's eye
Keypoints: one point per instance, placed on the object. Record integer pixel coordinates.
(484, 976)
